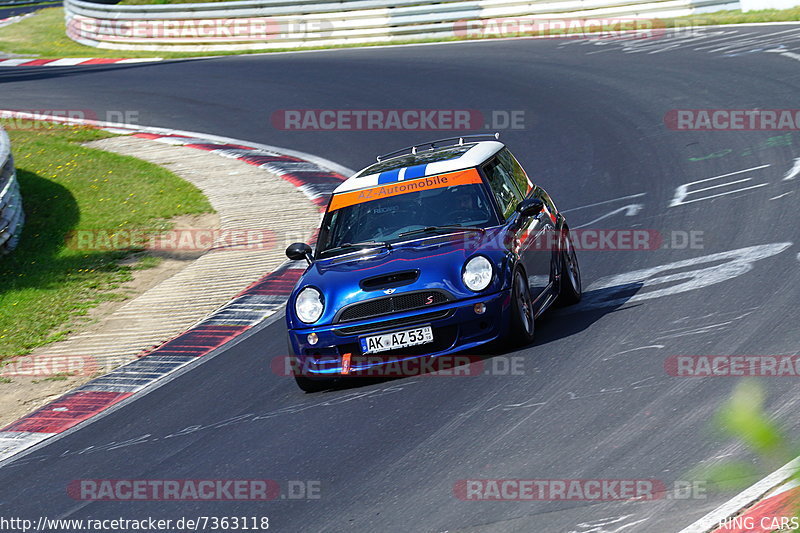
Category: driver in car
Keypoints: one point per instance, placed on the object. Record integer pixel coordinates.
(465, 209)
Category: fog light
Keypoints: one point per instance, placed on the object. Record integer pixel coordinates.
(312, 339)
(480, 308)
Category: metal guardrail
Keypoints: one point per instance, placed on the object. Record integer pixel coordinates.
(271, 24)
(12, 217)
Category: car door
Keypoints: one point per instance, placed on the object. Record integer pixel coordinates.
(538, 236)
(530, 234)
(543, 244)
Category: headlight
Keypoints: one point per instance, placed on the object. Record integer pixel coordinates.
(477, 273)
(308, 305)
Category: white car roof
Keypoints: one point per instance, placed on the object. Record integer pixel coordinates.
(412, 166)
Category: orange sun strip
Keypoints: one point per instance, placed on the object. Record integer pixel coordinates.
(461, 177)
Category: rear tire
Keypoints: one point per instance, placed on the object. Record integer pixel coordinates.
(570, 289)
(523, 324)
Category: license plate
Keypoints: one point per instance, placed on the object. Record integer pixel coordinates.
(396, 339)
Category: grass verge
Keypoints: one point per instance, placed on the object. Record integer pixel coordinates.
(739, 17)
(43, 35)
(46, 284)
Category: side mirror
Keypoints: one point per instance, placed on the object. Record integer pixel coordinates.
(530, 207)
(298, 251)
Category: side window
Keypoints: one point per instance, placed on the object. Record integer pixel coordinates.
(503, 187)
(515, 169)
(541, 193)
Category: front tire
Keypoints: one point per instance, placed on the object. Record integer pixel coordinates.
(523, 323)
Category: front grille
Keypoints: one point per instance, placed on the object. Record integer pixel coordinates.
(397, 322)
(392, 304)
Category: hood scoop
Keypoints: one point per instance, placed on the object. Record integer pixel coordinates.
(390, 280)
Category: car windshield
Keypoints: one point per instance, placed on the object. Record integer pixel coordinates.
(385, 220)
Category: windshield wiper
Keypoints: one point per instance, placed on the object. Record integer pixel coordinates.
(363, 244)
(430, 229)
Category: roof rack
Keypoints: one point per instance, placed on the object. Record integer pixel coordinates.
(432, 144)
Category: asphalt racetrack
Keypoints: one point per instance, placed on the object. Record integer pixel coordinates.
(15, 10)
(593, 399)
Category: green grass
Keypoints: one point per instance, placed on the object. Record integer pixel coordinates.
(738, 17)
(46, 284)
(43, 34)
(146, 261)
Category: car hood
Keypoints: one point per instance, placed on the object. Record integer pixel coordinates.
(438, 259)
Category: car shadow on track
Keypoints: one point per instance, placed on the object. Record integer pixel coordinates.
(555, 324)
(561, 322)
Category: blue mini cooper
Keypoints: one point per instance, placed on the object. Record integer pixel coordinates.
(436, 249)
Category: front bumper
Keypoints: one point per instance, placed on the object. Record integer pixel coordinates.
(456, 328)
